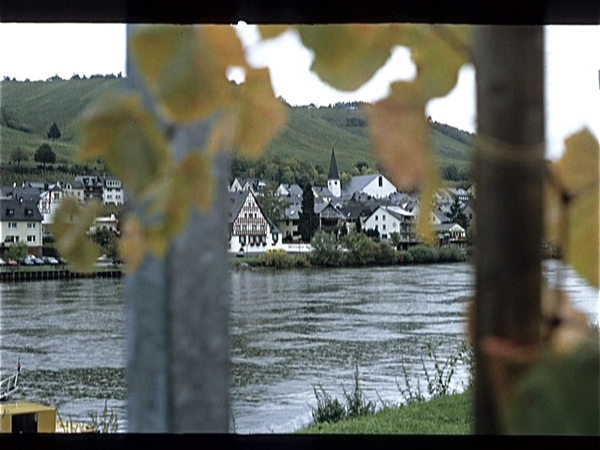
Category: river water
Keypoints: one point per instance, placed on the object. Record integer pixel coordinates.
(290, 332)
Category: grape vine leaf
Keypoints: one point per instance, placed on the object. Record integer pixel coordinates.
(118, 129)
(272, 31)
(71, 226)
(259, 115)
(578, 174)
(348, 55)
(185, 67)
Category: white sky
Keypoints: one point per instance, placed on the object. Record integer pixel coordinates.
(39, 51)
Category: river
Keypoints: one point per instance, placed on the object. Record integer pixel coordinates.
(290, 331)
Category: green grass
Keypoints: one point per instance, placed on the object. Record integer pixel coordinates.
(309, 134)
(451, 414)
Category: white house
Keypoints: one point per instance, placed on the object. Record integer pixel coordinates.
(112, 192)
(375, 185)
(390, 219)
(105, 223)
(250, 230)
(21, 221)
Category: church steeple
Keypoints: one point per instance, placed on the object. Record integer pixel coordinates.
(333, 180)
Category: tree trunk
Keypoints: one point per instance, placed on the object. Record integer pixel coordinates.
(177, 337)
(508, 175)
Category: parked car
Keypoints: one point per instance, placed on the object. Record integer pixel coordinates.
(38, 261)
(2, 262)
(12, 262)
(51, 260)
(29, 261)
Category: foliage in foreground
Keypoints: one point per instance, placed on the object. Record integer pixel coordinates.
(330, 410)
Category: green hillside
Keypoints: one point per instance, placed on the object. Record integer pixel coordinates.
(29, 108)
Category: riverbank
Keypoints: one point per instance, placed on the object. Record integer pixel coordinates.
(366, 254)
(36, 273)
(449, 414)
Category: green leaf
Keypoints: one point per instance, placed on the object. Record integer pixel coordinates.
(71, 226)
(347, 56)
(126, 136)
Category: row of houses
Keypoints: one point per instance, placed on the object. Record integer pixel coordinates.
(372, 200)
(27, 211)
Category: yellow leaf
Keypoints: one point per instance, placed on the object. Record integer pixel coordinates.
(133, 243)
(185, 67)
(71, 226)
(578, 167)
(193, 180)
(260, 116)
(583, 243)
(400, 134)
(347, 56)
(577, 173)
(272, 31)
(120, 131)
(438, 62)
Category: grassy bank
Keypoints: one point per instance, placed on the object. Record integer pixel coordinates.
(449, 414)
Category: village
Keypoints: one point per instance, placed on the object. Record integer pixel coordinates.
(369, 203)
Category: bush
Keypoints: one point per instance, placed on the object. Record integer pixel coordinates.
(328, 409)
(326, 250)
(404, 257)
(331, 409)
(422, 254)
(451, 254)
(387, 254)
(277, 259)
(361, 249)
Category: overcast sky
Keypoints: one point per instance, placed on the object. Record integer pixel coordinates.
(39, 51)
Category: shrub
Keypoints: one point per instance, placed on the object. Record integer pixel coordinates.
(404, 257)
(387, 254)
(450, 254)
(277, 259)
(361, 249)
(326, 250)
(331, 409)
(422, 254)
(357, 404)
(328, 409)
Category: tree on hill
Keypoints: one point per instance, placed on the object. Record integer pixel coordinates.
(18, 155)
(45, 155)
(308, 222)
(54, 132)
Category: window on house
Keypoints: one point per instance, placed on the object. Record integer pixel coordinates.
(384, 226)
(10, 212)
(28, 212)
(9, 239)
(30, 224)
(30, 238)
(243, 227)
(376, 217)
(380, 181)
(12, 225)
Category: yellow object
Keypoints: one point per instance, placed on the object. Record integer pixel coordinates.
(26, 417)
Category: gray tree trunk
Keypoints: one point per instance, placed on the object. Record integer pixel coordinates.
(177, 337)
